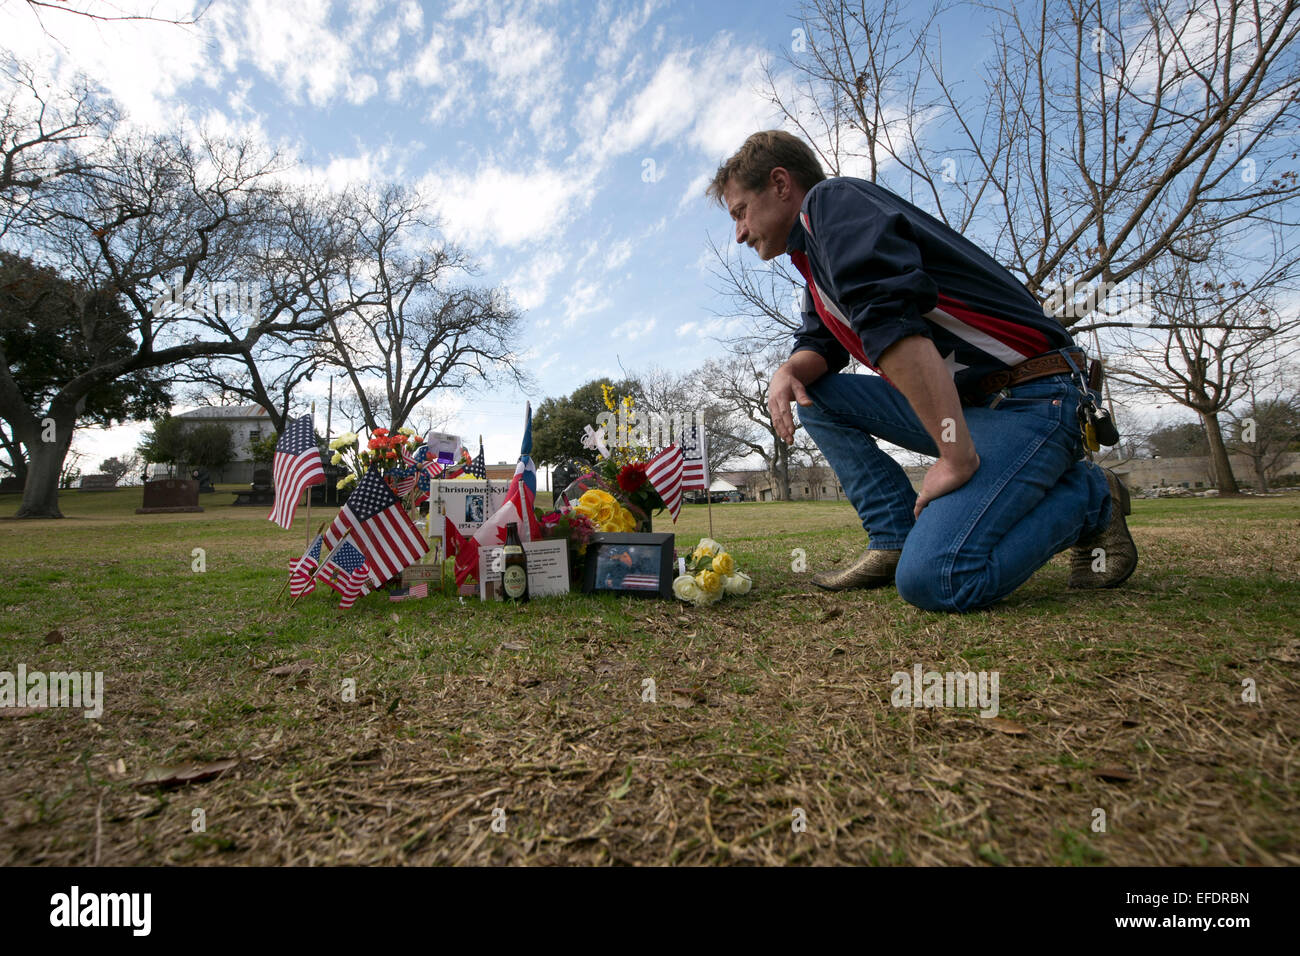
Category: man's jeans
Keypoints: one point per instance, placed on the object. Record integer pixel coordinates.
(1032, 496)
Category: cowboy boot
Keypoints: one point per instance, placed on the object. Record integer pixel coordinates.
(874, 569)
(1106, 559)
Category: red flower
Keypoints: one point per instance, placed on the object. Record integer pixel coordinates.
(632, 477)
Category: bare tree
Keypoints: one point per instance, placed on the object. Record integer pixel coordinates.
(157, 213)
(421, 326)
(1265, 426)
(739, 383)
(45, 138)
(678, 396)
(1221, 329)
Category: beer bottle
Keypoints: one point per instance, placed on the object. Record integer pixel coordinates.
(514, 570)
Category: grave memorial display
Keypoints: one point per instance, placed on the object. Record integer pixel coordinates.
(598, 537)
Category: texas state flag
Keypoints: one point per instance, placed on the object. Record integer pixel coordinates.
(518, 508)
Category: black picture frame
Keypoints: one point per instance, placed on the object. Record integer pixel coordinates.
(642, 557)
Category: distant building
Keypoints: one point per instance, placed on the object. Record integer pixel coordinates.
(248, 424)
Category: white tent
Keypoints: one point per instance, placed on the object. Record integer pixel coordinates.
(721, 484)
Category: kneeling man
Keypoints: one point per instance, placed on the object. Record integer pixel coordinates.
(971, 371)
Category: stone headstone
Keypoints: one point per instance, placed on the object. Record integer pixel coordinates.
(170, 495)
(11, 484)
(202, 476)
(262, 479)
(98, 483)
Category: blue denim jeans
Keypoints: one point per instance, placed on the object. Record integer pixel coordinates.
(1033, 495)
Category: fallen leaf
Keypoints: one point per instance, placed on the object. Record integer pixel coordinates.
(514, 646)
(1118, 774)
(54, 637)
(287, 670)
(832, 614)
(681, 703)
(604, 667)
(184, 773)
(1004, 726)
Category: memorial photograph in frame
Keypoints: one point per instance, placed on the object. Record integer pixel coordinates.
(626, 563)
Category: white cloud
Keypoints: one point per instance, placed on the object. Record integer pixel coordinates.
(617, 254)
(361, 87)
(705, 98)
(584, 298)
(530, 284)
(506, 206)
(633, 329)
(141, 64)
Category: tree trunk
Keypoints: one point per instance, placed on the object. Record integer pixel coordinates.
(41, 493)
(1261, 474)
(1220, 465)
(782, 461)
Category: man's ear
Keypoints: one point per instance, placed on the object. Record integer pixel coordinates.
(780, 178)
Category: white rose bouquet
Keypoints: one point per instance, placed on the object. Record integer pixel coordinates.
(711, 574)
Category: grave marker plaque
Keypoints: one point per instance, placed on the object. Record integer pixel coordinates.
(170, 495)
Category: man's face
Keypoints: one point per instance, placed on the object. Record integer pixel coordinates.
(764, 217)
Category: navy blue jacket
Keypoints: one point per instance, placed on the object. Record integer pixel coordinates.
(879, 269)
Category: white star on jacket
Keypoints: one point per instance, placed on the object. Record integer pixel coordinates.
(954, 366)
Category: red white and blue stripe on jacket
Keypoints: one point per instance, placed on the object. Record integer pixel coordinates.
(879, 269)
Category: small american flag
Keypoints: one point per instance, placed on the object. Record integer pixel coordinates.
(414, 592)
(301, 577)
(404, 480)
(297, 466)
(695, 464)
(478, 467)
(664, 472)
(380, 527)
(642, 582)
(346, 571)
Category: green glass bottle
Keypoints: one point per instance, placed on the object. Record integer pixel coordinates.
(514, 570)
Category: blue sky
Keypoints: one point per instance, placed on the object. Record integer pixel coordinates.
(566, 145)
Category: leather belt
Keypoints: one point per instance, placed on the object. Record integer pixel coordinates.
(1040, 366)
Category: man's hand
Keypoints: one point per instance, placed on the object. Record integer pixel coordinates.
(945, 475)
(914, 366)
(801, 369)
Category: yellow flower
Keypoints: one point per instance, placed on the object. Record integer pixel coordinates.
(604, 514)
(594, 498)
(724, 563)
(336, 459)
(347, 481)
(606, 391)
(709, 581)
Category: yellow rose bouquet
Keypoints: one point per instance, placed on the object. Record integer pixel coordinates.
(711, 574)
